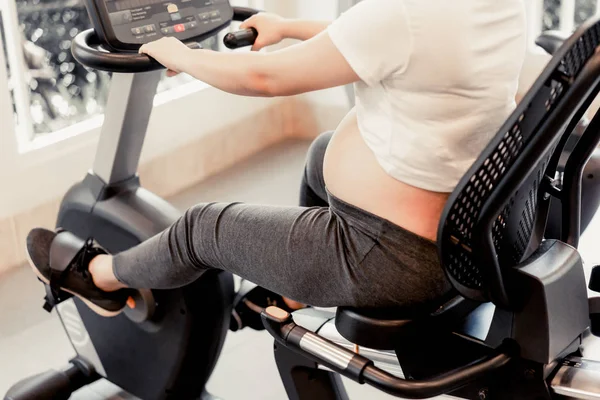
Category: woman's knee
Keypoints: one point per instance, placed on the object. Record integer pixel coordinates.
(314, 162)
(316, 152)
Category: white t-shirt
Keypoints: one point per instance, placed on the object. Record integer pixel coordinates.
(438, 79)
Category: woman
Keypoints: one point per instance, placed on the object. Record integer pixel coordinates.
(434, 81)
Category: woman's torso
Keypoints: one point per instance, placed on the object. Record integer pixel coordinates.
(410, 138)
(353, 174)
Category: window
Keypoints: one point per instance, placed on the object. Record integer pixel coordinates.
(567, 15)
(6, 64)
(50, 90)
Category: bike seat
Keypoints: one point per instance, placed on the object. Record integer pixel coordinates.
(382, 329)
(551, 41)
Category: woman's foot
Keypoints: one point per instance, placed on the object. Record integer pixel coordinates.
(62, 260)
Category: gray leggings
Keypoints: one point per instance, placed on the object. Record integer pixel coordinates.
(324, 253)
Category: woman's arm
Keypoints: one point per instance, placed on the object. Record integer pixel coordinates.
(272, 29)
(303, 29)
(311, 65)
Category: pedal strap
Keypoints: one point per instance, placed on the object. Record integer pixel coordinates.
(52, 298)
(63, 251)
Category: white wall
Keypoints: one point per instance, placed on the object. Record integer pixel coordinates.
(41, 175)
(32, 174)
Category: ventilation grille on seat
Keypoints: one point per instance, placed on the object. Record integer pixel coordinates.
(514, 227)
(467, 208)
(581, 52)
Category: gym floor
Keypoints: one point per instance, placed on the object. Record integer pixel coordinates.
(33, 341)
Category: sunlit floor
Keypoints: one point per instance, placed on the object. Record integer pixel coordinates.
(32, 341)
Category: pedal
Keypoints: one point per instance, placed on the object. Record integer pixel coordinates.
(54, 297)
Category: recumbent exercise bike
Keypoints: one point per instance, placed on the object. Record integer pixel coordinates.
(90, 208)
(521, 325)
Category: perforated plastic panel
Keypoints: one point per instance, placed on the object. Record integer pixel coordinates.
(515, 226)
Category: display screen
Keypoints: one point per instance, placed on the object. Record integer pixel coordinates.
(141, 21)
(120, 5)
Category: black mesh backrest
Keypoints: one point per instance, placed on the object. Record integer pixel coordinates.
(496, 216)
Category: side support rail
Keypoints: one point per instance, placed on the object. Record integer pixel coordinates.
(281, 326)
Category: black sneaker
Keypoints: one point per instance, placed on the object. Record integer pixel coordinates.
(61, 261)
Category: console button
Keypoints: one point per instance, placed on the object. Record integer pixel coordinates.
(175, 16)
(149, 28)
(172, 8)
(179, 28)
(168, 30)
(204, 16)
(137, 31)
(215, 14)
(191, 25)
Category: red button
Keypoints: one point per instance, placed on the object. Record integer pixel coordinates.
(179, 28)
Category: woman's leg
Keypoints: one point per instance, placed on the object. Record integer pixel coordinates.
(323, 256)
(306, 254)
(312, 194)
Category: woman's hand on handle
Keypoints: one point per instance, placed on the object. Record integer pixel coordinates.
(312, 65)
(168, 51)
(270, 28)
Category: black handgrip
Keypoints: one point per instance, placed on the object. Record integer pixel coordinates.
(551, 41)
(236, 40)
(359, 369)
(87, 50)
(243, 13)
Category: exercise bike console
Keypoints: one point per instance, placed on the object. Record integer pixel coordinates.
(127, 24)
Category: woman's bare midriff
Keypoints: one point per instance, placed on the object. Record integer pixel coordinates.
(353, 174)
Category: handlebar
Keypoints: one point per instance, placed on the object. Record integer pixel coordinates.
(239, 39)
(281, 326)
(245, 37)
(243, 13)
(87, 49)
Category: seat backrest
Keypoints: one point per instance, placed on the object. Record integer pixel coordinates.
(496, 217)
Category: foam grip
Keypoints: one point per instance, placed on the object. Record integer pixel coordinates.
(239, 39)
